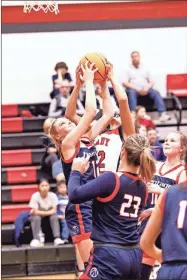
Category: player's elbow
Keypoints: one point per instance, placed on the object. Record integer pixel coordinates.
(73, 198)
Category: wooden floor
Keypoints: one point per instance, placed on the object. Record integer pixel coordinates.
(61, 276)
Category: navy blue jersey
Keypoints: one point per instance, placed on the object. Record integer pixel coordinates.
(164, 181)
(174, 226)
(83, 148)
(118, 200)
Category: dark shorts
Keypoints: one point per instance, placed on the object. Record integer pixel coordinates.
(173, 271)
(79, 221)
(110, 263)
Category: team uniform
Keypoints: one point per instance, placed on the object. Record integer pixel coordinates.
(79, 216)
(164, 181)
(118, 199)
(174, 233)
(108, 146)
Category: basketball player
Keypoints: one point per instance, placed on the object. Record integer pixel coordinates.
(170, 217)
(108, 144)
(118, 199)
(169, 173)
(67, 137)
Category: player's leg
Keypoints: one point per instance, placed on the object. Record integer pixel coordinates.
(84, 247)
(79, 221)
(135, 257)
(146, 271)
(79, 263)
(101, 265)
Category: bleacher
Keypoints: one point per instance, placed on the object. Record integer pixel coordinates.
(22, 150)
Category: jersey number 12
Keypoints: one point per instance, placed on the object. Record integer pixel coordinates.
(181, 215)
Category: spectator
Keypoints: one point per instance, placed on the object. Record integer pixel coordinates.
(43, 205)
(51, 155)
(99, 101)
(59, 103)
(142, 130)
(156, 146)
(60, 177)
(142, 118)
(62, 203)
(62, 73)
(138, 82)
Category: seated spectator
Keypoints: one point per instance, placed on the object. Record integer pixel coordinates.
(60, 177)
(138, 82)
(62, 73)
(156, 146)
(62, 203)
(51, 155)
(58, 105)
(43, 205)
(142, 118)
(99, 100)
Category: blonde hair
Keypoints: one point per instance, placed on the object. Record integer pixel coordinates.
(53, 134)
(47, 125)
(60, 177)
(139, 154)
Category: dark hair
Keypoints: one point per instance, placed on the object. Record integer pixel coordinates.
(41, 180)
(135, 52)
(60, 65)
(138, 153)
(138, 108)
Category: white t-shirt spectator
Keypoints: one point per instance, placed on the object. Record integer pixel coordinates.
(44, 204)
(139, 77)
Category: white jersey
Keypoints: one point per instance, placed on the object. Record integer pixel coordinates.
(108, 146)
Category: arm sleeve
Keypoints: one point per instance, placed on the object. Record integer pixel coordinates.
(33, 202)
(54, 199)
(102, 186)
(68, 77)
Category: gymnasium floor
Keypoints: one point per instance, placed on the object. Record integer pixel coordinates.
(61, 276)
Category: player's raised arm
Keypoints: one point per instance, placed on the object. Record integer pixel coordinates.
(152, 231)
(103, 186)
(108, 113)
(72, 101)
(128, 127)
(90, 109)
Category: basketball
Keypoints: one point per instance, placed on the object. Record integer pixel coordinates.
(100, 63)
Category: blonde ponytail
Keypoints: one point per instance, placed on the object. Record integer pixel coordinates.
(139, 154)
(147, 165)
